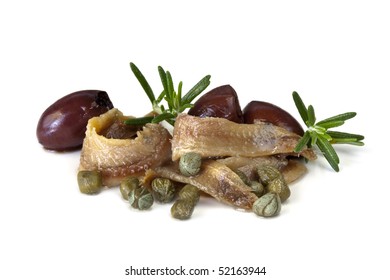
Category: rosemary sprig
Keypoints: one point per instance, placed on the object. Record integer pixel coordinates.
(318, 133)
(175, 101)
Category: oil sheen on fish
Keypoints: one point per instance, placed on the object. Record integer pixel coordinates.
(218, 137)
(217, 180)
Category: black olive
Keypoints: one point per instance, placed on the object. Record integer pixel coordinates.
(264, 111)
(63, 124)
(221, 102)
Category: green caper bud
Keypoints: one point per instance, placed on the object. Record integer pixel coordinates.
(90, 182)
(243, 177)
(190, 163)
(280, 187)
(267, 205)
(189, 192)
(141, 198)
(127, 185)
(267, 173)
(257, 187)
(163, 190)
(182, 209)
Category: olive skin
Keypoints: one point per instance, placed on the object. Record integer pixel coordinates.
(63, 124)
(264, 111)
(220, 102)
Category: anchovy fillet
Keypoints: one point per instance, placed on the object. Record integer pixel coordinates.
(118, 158)
(218, 137)
(217, 180)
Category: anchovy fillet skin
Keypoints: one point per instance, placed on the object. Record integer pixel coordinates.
(215, 179)
(249, 166)
(234, 163)
(218, 137)
(119, 158)
(292, 169)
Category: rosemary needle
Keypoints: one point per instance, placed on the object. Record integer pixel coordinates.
(319, 135)
(175, 101)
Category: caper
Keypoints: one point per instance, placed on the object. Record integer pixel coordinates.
(267, 205)
(243, 177)
(184, 206)
(257, 187)
(127, 185)
(267, 173)
(189, 192)
(190, 163)
(90, 182)
(141, 198)
(163, 190)
(182, 209)
(280, 187)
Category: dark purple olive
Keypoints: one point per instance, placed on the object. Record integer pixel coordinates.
(264, 111)
(221, 102)
(62, 125)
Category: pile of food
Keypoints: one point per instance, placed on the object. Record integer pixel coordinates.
(243, 158)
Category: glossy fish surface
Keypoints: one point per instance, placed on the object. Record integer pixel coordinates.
(119, 158)
(218, 137)
(215, 179)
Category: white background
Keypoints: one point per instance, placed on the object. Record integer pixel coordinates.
(334, 53)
